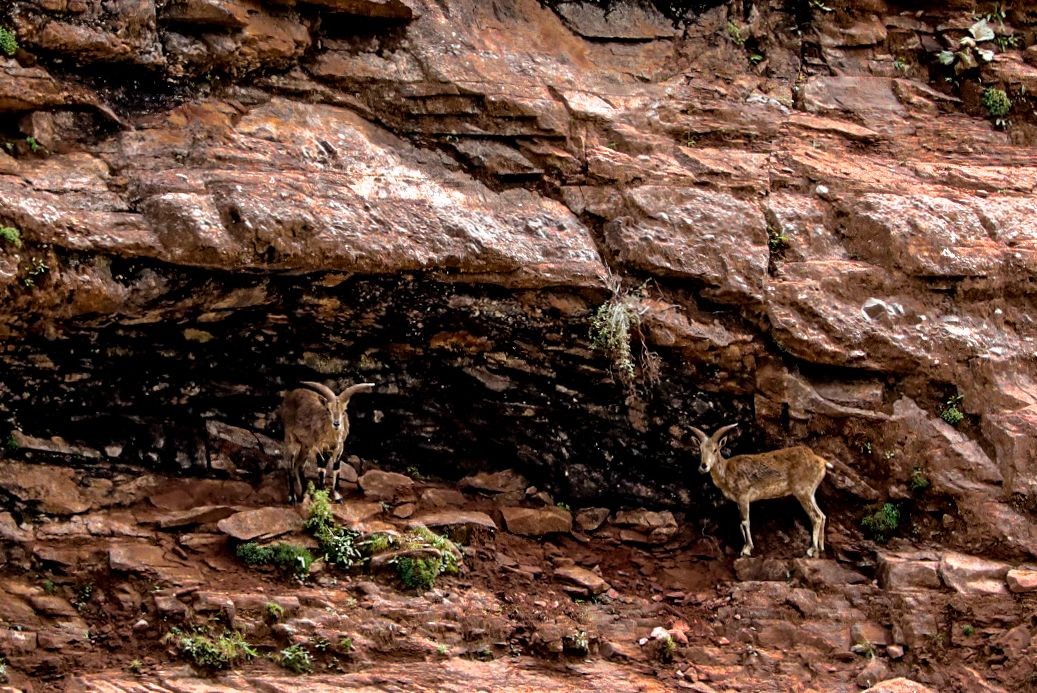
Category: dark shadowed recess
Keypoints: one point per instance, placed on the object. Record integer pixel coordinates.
(469, 377)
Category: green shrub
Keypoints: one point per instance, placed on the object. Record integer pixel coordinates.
(287, 557)
(418, 573)
(918, 482)
(997, 102)
(295, 659)
(777, 239)
(345, 644)
(378, 543)
(968, 630)
(337, 544)
(253, 554)
(11, 236)
(221, 652)
(320, 643)
(135, 666)
(8, 42)
(882, 522)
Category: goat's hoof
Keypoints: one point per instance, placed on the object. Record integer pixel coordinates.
(747, 552)
(811, 553)
(338, 498)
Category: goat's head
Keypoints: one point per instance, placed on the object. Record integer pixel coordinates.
(338, 404)
(710, 446)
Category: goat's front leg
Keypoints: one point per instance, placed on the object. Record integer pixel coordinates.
(336, 459)
(743, 508)
(289, 465)
(321, 464)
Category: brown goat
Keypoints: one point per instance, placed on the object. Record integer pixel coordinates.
(795, 471)
(315, 422)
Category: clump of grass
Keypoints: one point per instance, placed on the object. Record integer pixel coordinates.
(338, 544)
(345, 644)
(578, 642)
(997, 104)
(295, 659)
(918, 482)
(378, 543)
(274, 611)
(882, 522)
(420, 573)
(777, 239)
(968, 630)
(289, 558)
(952, 413)
(135, 666)
(668, 649)
(11, 236)
(220, 652)
(8, 42)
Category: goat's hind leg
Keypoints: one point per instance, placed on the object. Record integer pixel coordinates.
(289, 470)
(817, 525)
(747, 549)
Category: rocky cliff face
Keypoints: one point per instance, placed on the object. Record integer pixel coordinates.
(815, 215)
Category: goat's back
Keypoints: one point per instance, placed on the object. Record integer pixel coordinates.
(776, 473)
(305, 418)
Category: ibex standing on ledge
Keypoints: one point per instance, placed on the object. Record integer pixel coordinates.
(315, 421)
(793, 471)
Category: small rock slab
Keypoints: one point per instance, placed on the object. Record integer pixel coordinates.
(505, 481)
(137, 558)
(588, 581)
(899, 685)
(906, 572)
(820, 572)
(1022, 580)
(590, 519)
(264, 523)
(451, 518)
(53, 487)
(645, 526)
(51, 605)
(355, 512)
(536, 522)
(387, 486)
(442, 498)
(973, 575)
(196, 516)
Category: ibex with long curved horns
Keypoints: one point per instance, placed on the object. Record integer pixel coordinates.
(795, 471)
(315, 422)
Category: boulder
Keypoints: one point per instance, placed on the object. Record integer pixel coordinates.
(899, 685)
(973, 575)
(536, 522)
(387, 486)
(645, 526)
(53, 489)
(586, 581)
(899, 572)
(451, 518)
(506, 481)
(261, 524)
(1022, 580)
(590, 519)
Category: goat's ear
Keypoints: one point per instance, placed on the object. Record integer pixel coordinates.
(722, 443)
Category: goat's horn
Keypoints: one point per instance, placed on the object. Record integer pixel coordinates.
(321, 389)
(701, 435)
(718, 434)
(353, 389)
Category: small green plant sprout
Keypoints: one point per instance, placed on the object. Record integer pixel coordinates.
(882, 522)
(345, 644)
(442, 650)
(11, 443)
(34, 145)
(320, 643)
(578, 642)
(968, 630)
(668, 649)
(777, 239)
(48, 586)
(36, 268)
(220, 652)
(135, 666)
(295, 659)
(756, 58)
(899, 64)
(274, 611)
(564, 506)
(377, 543)
(83, 594)
(8, 42)
(998, 105)
(11, 236)
(952, 413)
(613, 327)
(918, 481)
(1006, 41)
